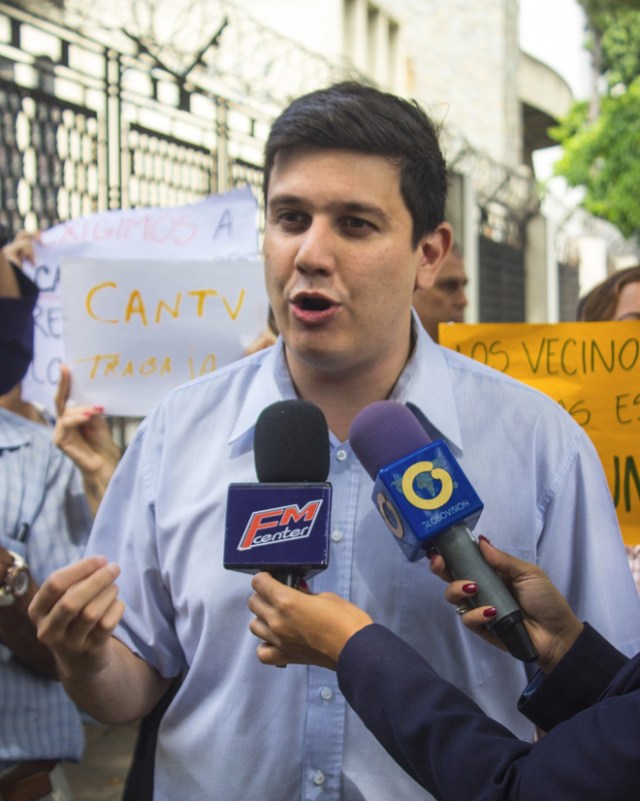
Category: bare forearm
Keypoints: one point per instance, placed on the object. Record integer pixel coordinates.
(126, 689)
(9, 287)
(95, 486)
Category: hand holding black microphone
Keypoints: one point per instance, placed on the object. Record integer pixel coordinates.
(427, 502)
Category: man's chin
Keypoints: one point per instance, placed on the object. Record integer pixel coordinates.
(318, 357)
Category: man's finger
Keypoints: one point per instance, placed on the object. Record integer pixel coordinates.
(76, 584)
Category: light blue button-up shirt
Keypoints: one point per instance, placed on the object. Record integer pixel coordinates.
(242, 731)
(44, 518)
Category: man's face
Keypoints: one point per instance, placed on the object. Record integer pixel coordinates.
(339, 262)
(445, 302)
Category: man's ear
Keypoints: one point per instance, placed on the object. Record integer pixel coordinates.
(434, 248)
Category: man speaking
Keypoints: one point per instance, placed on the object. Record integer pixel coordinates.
(355, 187)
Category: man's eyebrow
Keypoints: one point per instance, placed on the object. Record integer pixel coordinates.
(340, 206)
(285, 199)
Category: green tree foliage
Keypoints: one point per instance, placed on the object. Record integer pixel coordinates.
(595, 7)
(603, 155)
(621, 49)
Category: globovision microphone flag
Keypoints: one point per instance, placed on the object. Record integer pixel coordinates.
(281, 524)
(427, 502)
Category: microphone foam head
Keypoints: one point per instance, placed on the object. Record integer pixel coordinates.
(384, 432)
(291, 443)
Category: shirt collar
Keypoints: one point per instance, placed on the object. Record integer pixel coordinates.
(424, 383)
(275, 384)
(15, 431)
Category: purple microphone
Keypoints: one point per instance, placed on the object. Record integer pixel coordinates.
(427, 502)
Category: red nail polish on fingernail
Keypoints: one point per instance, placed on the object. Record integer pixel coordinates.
(303, 584)
(486, 539)
(98, 409)
(490, 612)
(470, 589)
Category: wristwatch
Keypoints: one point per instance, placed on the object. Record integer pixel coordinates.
(15, 582)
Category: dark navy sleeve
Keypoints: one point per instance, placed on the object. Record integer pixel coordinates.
(576, 683)
(448, 745)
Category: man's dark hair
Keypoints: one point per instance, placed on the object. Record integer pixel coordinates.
(352, 116)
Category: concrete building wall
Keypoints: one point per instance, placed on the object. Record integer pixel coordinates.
(459, 58)
(463, 55)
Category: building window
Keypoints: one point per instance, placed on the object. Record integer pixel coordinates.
(372, 42)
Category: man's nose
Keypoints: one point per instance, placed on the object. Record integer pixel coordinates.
(460, 297)
(316, 251)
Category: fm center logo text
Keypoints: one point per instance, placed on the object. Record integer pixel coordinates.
(280, 524)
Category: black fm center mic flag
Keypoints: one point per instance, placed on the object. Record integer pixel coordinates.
(281, 524)
(427, 502)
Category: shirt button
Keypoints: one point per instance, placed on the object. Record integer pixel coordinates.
(318, 778)
(336, 535)
(326, 693)
(341, 455)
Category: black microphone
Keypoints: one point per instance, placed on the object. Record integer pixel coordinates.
(428, 503)
(281, 524)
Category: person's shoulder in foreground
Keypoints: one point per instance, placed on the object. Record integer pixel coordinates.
(587, 758)
(585, 694)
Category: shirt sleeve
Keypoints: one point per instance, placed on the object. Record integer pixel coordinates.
(448, 744)
(576, 683)
(582, 551)
(125, 532)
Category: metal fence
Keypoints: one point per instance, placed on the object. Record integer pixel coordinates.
(85, 128)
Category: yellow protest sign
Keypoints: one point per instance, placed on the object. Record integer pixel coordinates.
(593, 371)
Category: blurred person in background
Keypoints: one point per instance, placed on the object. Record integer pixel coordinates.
(45, 524)
(617, 298)
(446, 300)
(47, 502)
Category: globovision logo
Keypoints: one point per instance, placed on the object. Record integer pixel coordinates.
(437, 473)
(438, 517)
(390, 515)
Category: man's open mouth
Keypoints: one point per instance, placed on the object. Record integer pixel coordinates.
(313, 304)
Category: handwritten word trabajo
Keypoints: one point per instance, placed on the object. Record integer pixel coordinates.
(105, 365)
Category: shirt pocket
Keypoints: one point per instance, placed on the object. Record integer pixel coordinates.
(431, 626)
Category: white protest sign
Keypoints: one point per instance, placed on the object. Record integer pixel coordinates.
(135, 329)
(219, 226)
